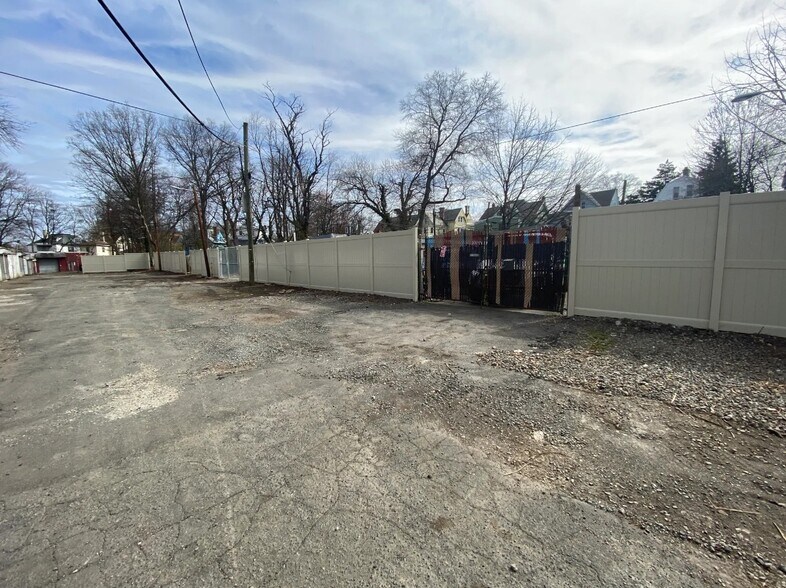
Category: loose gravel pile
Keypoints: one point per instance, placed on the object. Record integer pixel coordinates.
(741, 379)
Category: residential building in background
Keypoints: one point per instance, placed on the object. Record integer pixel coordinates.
(685, 186)
(524, 213)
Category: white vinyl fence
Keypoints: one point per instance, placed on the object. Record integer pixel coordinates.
(383, 263)
(171, 261)
(716, 263)
(197, 261)
(101, 264)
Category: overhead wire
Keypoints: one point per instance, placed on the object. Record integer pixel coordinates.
(155, 71)
(88, 94)
(637, 111)
(204, 68)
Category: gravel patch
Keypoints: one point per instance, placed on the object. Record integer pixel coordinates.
(740, 379)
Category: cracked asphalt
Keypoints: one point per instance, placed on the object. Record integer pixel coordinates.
(162, 431)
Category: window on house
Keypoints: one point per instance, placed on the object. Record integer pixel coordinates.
(689, 191)
(675, 192)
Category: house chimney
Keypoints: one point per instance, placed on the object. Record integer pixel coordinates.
(577, 197)
(686, 172)
(466, 210)
(442, 212)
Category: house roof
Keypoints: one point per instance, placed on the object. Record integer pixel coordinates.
(524, 209)
(603, 197)
(450, 214)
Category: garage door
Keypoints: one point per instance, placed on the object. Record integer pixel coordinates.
(47, 266)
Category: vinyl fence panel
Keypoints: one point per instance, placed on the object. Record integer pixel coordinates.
(135, 261)
(716, 262)
(323, 260)
(385, 264)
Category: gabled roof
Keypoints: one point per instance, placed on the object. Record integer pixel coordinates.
(600, 198)
(603, 197)
(450, 214)
(524, 209)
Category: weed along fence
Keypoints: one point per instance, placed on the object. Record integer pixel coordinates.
(383, 263)
(715, 263)
(515, 269)
(101, 264)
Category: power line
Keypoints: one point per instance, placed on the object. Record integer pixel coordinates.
(190, 34)
(88, 94)
(155, 71)
(638, 110)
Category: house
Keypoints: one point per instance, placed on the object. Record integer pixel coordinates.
(524, 213)
(685, 186)
(99, 247)
(412, 221)
(597, 199)
(453, 219)
(58, 243)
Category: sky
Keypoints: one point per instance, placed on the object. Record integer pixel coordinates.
(577, 60)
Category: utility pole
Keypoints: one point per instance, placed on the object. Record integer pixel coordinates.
(155, 224)
(202, 232)
(247, 203)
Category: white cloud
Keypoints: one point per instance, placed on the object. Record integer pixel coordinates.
(578, 60)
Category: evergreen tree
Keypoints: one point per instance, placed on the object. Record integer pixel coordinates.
(718, 172)
(666, 173)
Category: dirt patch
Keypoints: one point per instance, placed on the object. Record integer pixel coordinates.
(739, 379)
(137, 392)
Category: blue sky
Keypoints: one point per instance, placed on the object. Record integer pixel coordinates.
(579, 60)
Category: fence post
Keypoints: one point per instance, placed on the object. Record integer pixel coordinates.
(267, 262)
(573, 261)
(720, 259)
(371, 260)
(308, 261)
(416, 273)
(286, 264)
(338, 270)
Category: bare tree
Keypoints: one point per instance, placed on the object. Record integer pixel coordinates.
(14, 198)
(520, 158)
(116, 155)
(389, 190)
(42, 215)
(582, 168)
(270, 190)
(203, 157)
(10, 127)
(761, 68)
(624, 183)
(759, 158)
(301, 157)
(447, 118)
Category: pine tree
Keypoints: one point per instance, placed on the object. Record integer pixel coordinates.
(718, 172)
(666, 173)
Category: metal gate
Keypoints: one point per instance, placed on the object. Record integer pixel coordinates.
(515, 269)
(228, 263)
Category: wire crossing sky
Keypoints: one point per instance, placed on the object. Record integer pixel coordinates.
(579, 61)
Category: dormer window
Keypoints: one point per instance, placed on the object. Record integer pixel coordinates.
(675, 193)
(689, 191)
